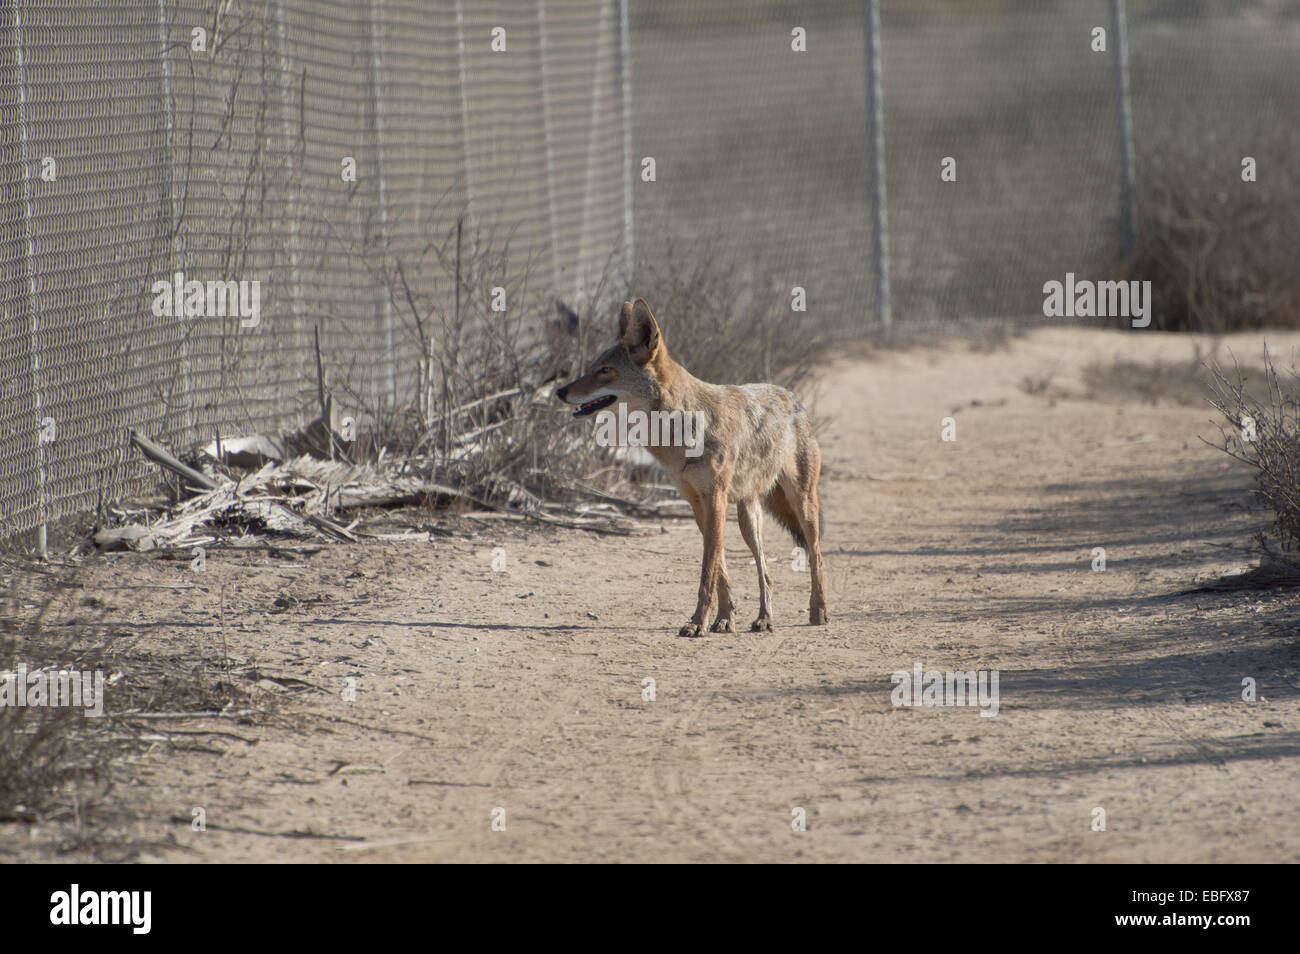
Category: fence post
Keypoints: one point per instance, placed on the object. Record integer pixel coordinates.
(291, 199)
(623, 76)
(547, 144)
(593, 129)
(385, 307)
(34, 325)
(189, 424)
(1124, 118)
(462, 75)
(876, 142)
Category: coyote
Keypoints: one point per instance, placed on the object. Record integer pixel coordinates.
(758, 450)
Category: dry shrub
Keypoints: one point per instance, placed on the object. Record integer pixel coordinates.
(1184, 382)
(54, 761)
(472, 413)
(1219, 252)
(1263, 430)
(58, 765)
(717, 331)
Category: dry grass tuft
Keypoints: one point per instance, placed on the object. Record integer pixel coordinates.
(1263, 431)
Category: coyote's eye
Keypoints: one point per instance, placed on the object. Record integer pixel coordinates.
(606, 370)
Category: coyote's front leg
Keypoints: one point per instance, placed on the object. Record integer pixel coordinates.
(711, 515)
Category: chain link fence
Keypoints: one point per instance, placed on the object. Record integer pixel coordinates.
(767, 150)
(213, 141)
(309, 146)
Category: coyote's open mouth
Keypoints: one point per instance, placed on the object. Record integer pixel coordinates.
(591, 407)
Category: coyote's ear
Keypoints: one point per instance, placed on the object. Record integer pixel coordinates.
(638, 331)
(624, 319)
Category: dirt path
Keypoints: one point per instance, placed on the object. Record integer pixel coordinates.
(522, 690)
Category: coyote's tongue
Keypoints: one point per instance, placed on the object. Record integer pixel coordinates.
(592, 406)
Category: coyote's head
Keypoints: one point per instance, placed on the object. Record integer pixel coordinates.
(627, 373)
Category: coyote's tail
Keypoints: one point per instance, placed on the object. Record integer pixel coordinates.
(779, 506)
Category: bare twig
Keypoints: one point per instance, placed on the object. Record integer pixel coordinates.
(164, 458)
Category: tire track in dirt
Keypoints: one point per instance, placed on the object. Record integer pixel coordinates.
(668, 783)
(487, 769)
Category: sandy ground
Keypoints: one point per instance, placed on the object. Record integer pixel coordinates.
(482, 692)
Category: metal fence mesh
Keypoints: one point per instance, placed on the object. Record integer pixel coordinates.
(220, 156)
(131, 151)
(766, 148)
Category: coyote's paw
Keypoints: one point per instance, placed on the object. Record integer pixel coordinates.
(722, 625)
(817, 616)
(691, 630)
(761, 625)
